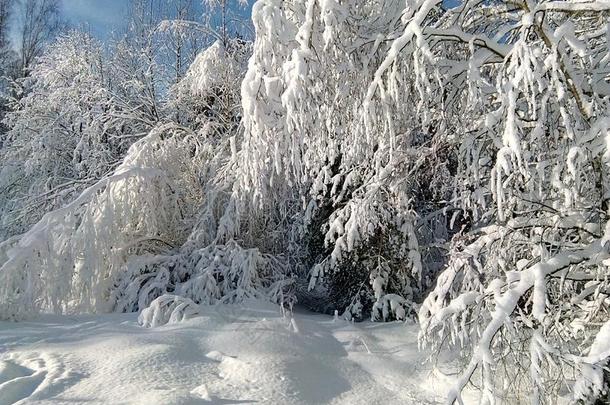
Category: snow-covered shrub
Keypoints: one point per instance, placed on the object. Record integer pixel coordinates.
(392, 306)
(357, 281)
(208, 275)
(167, 309)
(70, 259)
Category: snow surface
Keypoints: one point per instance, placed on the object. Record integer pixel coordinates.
(227, 355)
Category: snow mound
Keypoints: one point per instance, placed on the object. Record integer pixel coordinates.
(167, 309)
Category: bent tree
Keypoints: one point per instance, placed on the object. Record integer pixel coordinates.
(524, 96)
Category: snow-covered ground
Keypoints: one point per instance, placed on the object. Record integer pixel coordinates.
(228, 355)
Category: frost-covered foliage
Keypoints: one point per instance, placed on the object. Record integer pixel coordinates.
(66, 131)
(208, 94)
(519, 89)
(70, 260)
(154, 226)
(342, 191)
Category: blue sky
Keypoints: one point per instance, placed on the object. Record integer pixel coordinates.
(100, 16)
(103, 16)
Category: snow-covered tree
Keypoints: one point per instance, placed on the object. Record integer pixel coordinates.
(63, 132)
(38, 22)
(70, 259)
(208, 96)
(180, 42)
(507, 102)
(135, 60)
(341, 189)
(7, 59)
(525, 102)
(6, 54)
(221, 19)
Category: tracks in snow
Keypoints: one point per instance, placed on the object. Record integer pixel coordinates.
(228, 355)
(32, 376)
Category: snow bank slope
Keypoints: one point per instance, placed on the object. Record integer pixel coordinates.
(229, 355)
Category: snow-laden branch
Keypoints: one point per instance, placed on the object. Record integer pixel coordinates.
(69, 259)
(574, 6)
